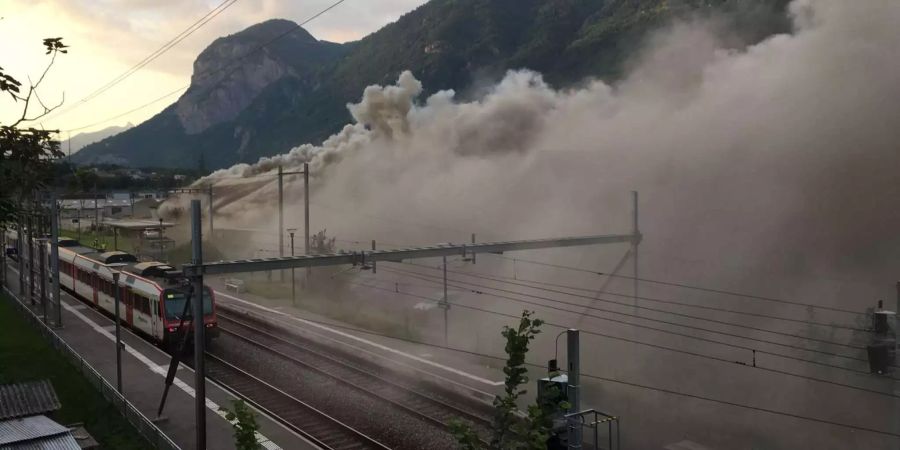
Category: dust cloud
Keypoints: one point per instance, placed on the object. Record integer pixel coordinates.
(769, 168)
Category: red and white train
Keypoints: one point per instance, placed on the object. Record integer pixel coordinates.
(152, 294)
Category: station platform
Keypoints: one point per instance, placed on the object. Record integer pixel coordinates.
(461, 371)
(92, 335)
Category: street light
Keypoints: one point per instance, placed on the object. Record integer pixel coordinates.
(293, 280)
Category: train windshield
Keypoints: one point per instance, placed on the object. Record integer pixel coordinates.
(175, 299)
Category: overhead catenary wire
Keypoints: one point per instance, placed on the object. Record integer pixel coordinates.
(686, 286)
(621, 382)
(184, 34)
(520, 282)
(221, 69)
(434, 279)
(689, 336)
(662, 347)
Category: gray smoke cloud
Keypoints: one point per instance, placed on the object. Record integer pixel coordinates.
(769, 168)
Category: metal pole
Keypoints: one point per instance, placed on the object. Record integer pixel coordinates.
(20, 253)
(96, 213)
(293, 280)
(131, 197)
(374, 263)
(42, 251)
(30, 265)
(117, 300)
(281, 218)
(161, 238)
(54, 257)
(635, 243)
(199, 326)
(445, 304)
(574, 388)
(210, 212)
(473, 252)
(80, 208)
(306, 214)
(2, 257)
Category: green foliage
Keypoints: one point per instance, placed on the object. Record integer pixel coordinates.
(243, 421)
(509, 430)
(26, 153)
(447, 44)
(25, 355)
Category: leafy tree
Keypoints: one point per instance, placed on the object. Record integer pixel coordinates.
(243, 421)
(509, 429)
(27, 153)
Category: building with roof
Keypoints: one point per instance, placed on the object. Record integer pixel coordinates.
(24, 425)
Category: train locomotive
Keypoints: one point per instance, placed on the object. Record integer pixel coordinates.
(152, 294)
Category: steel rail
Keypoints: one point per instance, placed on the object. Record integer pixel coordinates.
(341, 436)
(371, 390)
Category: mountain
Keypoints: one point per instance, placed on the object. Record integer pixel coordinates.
(296, 89)
(81, 140)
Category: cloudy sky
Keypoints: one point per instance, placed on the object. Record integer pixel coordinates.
(107, 37)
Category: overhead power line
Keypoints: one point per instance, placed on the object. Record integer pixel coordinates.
(621, 382)
(671, 349)
(435, 279)
(184, 34)
(687, 286)
(210, 72)
(521, 283)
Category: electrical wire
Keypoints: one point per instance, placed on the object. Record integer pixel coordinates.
(519, 282)
(662, 347)
(434, 278)
(620, 382)
(687, 286)
(238, 59)
(184, 34)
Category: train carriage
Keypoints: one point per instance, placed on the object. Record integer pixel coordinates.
(152, 294)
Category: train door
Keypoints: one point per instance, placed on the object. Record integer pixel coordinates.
(95, 286)
(154, 318)
(130, 300)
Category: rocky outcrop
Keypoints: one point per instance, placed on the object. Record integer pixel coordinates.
(233, 71)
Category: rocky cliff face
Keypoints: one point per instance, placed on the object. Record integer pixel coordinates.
(225, 82)
(295, 89)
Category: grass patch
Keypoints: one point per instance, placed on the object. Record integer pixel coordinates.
(25, 355)
(104, 239)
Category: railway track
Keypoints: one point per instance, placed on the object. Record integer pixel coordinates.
(423, 405)
(324, 430)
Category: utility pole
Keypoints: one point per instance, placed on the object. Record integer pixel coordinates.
(445, 304)
(116, 299)
(131, 197)
(281, 217)
(2, 257)
(80, 208)
(473, 251)
(96, 214)
(42, 251)
(210, 201)
(54, 257)
(293, 280)
(635, 243)
(573, 390)
(199, 327)
(161, 238)
(30, 263)
(306, 214)
(374, 263)
(20, 253)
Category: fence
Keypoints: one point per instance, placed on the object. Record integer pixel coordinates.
(144, 426)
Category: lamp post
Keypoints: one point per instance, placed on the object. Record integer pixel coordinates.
(116, 299)
(293, 280)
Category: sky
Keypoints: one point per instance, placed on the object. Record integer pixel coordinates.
(107, 37)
